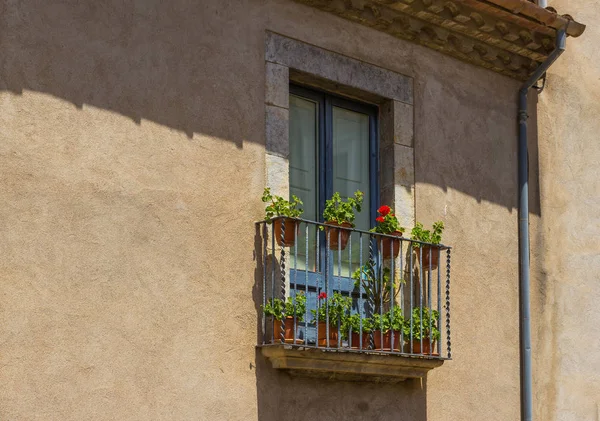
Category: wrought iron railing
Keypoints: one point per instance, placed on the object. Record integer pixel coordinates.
(335, 288)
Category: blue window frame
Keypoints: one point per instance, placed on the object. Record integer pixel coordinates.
(333, 147)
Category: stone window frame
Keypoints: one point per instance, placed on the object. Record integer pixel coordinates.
(292, 61)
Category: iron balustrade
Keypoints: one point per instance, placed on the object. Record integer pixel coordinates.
(392, 288)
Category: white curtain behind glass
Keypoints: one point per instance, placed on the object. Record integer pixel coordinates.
(303, 169)
(351, 171)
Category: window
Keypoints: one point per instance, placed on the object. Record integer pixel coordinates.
(333, 148)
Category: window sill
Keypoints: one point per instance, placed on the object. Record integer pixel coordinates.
(348, 365)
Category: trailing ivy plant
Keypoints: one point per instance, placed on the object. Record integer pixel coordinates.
(338, 211)
(292, 307)
(387, 222)
(376, 288)
(434, 236)
(430, 327)
(278, 206)
(338, 307)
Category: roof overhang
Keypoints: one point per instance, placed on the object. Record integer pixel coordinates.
(511, 37)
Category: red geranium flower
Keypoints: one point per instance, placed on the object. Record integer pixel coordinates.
(380, 219)
(384, 210)
(322, 296)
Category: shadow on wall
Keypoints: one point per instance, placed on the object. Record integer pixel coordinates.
(199, 68)
(168, 62)
(471, 144)
(282, 396)
(534, 162)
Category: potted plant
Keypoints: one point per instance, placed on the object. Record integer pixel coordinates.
(428, 332)
(430, 253)
(334, 310)
(340, 213)
(387, 325)
(290, 312)
(278, 207)
(377, 287)
(387, 223)
(351, 328)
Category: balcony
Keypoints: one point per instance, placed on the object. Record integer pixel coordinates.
(344, 303)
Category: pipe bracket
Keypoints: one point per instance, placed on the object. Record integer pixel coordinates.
(523, 116)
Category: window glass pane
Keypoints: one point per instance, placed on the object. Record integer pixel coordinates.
(303, 169)
(351, 169)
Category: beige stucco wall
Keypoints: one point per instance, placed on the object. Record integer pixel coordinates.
(567, 250)
(132, 160)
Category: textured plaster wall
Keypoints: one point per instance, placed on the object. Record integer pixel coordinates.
(132, 160)
(567, 250)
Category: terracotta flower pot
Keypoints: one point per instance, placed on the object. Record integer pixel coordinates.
(291, 229)
(416, 347)
(338, 241)
(355, 340)
(333, 335)
(386, 244)
(387, 340)
(429, 254)
(288, 325)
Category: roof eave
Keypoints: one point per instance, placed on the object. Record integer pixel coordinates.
(511, 37)
(545, 16)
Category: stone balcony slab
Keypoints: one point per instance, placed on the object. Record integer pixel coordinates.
(347, 364)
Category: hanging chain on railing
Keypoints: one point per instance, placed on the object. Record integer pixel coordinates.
(264, 284)
(282, 326)
(448, 301)
(370, 297)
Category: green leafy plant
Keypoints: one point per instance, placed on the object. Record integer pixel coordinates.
(430, 327)
(338, 307)
(395, 319)
(387, 222)
(434, 236)
(278, 206)
(378, 291)
(292, 307)
(390, 320)
(338, 211)
(352, 323)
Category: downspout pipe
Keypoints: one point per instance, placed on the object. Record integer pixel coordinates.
(524, 287)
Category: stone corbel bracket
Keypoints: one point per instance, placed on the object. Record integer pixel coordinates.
(511, 37)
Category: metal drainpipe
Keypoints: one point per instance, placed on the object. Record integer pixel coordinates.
(524, 319)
